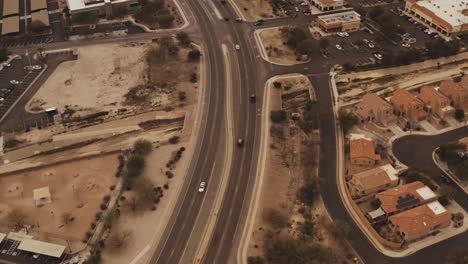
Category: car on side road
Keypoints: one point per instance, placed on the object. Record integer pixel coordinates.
(240, 142)
(445, 179)
(239, 19)
(304, 4)
(202, 187)
(258, 24)
(237, 46)
(6, 65)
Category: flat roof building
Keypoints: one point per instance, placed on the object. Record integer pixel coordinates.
(445, 16)
(344, 21)
(10, 7)
(99, 7)
(327, 5)
(420, 221)
(43, 248)
(10, 25)
(41, 196)
(38, 5)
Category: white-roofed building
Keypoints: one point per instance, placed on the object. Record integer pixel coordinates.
(41, 196)
(43, 248)
(99, 7)
(445, 16)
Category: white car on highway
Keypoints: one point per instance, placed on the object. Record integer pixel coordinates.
(202, 187)
(237, 46)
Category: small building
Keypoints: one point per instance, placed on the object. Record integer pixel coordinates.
(362, 151)
(10, 25)
(408, 106)
(373, 180)
(436, 103)
(345, 21)
(444, 16)
(43, 248)
(458, 96)
(420, 222)
(373, 108)
(401, 198)
(327, 5)
(104, 8)
(41, 196)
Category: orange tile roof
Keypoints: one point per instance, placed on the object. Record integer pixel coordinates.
(421, 219)
(450, 88)
(373, 102)
(373, 178)
(403, 97)
(362, 148)
(389, 198)
(430, 95)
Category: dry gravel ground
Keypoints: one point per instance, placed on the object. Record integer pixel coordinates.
(76, 188)
(98, 80)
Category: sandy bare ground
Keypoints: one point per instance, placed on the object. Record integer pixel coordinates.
(276, 51)
(76, 188)
(255, 9)
(97, 80)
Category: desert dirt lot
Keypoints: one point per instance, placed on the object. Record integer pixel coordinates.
(76, 188)
(98, 80)
(255, 9)
(274, 48)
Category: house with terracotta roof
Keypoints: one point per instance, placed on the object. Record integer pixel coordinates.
(362, 151)
(436, 103)
(420, 222)
(458, 95)
(373, 108)
(408, 106)
(373, 180)
(401, 198)
(327, 5)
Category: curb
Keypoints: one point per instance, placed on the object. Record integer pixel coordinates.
(448, 172)
(241, 255)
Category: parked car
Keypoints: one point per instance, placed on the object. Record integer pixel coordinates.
(378, 56)
(237, 47)
(14, 82)
(371, 45)
(304, 4)
(445, 179)
(6, 65)
(338, 47)
(239, 19)
(37, 67)
(406, 45)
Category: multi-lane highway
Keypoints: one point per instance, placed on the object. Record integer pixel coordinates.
(248, 74)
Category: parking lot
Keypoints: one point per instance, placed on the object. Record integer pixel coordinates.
(359, 47)
(9, 252)
(14, 80)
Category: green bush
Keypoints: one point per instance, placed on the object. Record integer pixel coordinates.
(135, 166)
(278, 116)
(142, 147)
